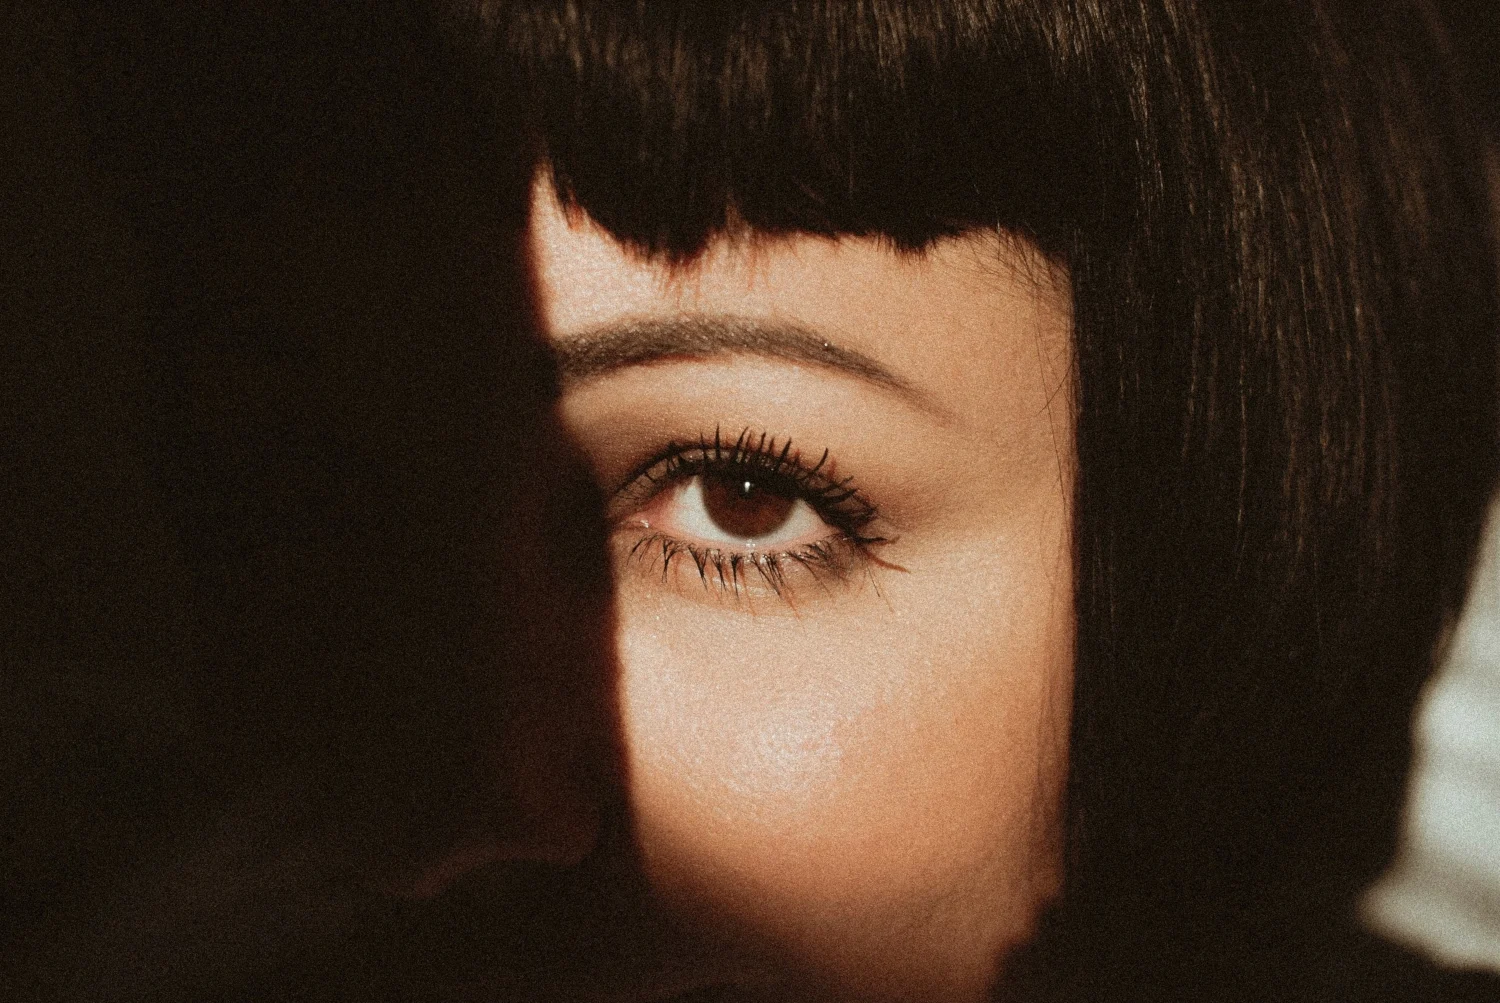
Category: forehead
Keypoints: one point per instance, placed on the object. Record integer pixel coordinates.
(977, 323)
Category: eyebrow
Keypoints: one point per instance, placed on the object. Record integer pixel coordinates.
(636, 342)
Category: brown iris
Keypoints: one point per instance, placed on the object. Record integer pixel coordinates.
(742, 508)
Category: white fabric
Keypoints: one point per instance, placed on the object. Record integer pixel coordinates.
(1442, 895)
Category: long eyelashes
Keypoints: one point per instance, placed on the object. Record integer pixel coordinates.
(775, 467)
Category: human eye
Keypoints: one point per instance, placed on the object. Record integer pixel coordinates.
(747, 516)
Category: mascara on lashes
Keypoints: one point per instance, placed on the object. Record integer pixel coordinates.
(777, 468)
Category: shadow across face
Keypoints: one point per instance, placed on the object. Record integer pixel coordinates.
(354, 733)
(323, 704)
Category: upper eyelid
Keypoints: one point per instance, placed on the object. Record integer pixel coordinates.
(784, 462)
(852, 526)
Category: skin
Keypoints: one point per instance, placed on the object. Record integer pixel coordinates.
(852, 786)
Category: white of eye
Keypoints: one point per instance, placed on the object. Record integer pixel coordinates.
(688, 513)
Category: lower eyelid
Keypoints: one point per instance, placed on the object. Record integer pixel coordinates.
(657, 559)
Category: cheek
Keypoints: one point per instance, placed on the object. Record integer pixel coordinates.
(871, 793)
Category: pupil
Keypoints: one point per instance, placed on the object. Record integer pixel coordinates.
(743, 508)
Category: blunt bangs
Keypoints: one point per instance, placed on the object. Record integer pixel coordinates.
(670, 123)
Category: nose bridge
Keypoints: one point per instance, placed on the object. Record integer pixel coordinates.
(554, 616)
(541, 699)
(539, 728)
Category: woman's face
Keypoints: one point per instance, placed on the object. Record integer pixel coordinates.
(837, 480)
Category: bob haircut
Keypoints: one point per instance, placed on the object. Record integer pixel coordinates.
(1277, 237)
(1276, 230)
